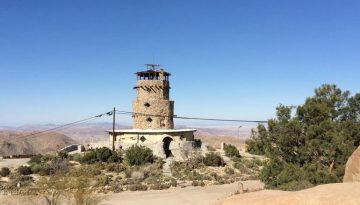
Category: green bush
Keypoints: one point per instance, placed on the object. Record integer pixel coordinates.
(231, 151)
(139, 155)
(213, 159)
(37, 159)
(296, 185)
(197, 183)
(309, 143)
(159, 186)
(229, 171)
(24, 170)
(19, 179)
(35, 168)
(137, 187)
(63, 155)
(115, 167)
(242, 168)
(46, 170)
(4, 172)
(102, 154)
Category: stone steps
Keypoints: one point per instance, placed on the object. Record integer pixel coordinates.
(166, 166)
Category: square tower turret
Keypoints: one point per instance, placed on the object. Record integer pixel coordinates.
(152, 108)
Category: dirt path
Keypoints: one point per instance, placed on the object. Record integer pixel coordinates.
(175, 196)
(13, 163)
(181, 196)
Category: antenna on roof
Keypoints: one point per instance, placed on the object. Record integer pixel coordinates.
(152, 66)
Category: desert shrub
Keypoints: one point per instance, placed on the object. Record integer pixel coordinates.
(197, 183)
(242, 168)
(85, 171)
(63, 155)
(128, 171)
(115, 187)
(231, 151)
(21, 180)
(89, 157)
(254, 146)
(137, 176)
(46, 171)
(24, 170)
(213, 159)
(296, 185)
(58, 165)
(59, 187)
(37, 159)
(159, 186)
(103, 180)
(48, 158)
(229, 171)
(102, 154)
(139, 155)
(173, 183)
(114, 167)
(194, 175)
(215, 176)
(137, 187)
(253, 164)
(195, 161)
(4, 172)
(35, 168)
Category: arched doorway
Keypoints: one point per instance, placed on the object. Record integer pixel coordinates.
(166, 146)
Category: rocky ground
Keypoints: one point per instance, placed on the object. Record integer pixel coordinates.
(328, 194)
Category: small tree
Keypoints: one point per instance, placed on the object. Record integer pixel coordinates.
(4, 172)
(24, 170)
(231, 150)
(102, 154)
(213, 159)
(139, 155)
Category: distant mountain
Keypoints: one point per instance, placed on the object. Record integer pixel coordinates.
(15, 143)
(82, 133)
(92, 132)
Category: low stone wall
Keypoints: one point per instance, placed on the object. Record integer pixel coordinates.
(181, 150)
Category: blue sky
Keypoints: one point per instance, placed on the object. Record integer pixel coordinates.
(61, 61)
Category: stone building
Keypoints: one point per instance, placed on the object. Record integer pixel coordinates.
(153, 124)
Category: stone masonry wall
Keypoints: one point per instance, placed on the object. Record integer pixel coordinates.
(153, 101)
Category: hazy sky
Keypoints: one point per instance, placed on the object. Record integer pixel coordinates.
(62, 61)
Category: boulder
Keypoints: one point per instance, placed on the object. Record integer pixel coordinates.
(328, 194)
(352, 169)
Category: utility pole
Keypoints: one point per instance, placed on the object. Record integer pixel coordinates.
(113, 136)
(239, 131)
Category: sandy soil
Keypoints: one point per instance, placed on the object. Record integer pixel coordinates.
(181, 196)
(174, 196)
(13, 163)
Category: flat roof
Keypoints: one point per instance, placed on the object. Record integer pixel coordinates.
(152, 130)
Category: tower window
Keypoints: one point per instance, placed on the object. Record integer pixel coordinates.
(149, 119)
(146, 104)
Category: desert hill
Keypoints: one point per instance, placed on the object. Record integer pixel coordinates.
(90, 132)
(13, 143)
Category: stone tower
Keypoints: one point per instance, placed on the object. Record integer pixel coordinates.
(152, 108)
